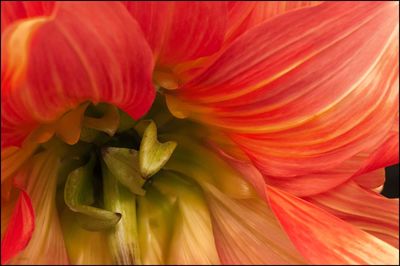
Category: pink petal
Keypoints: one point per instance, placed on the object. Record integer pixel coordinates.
(325, 239)
(51, 65)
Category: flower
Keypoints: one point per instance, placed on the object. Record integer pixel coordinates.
(198, 132)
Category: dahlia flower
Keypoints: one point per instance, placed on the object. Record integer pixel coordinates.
(198, 132)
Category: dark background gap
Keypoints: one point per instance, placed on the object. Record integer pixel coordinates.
(391, 186)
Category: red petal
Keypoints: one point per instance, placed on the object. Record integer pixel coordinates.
(325, 239)
(300, 99)
(181, 31)
(367, 210)
(82, 53)
(20, 228)
(12, 11)
(38, 178)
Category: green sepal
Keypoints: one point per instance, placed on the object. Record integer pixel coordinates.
(153, 155)
(123, 165)
(78, 195)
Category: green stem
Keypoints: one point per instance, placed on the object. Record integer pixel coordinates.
(123, 238)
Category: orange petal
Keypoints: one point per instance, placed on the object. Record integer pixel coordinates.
(388, 152)
(325, 239)
(322, 181)
(300, 99)
(365, 168)
(246, 232)
(82, 53)
(12, 11)
(364, 209)
(371, 180)
(245, 15)
(181, 31)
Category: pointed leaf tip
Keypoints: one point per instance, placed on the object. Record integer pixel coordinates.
(153, 155)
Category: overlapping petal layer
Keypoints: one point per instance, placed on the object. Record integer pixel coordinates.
(363, 168)
(306, 98)
(367, 210)
(244, 15)
(325, 239)
(52, 64)
(181, 31)
(18, 227)
(246, 232)
(47, 244)
(12, 11)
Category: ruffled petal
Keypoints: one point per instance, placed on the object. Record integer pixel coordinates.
(246, 231)
(20, 228)
(364, 209)
(325, 239)
(12, 11)
(81, 53)
(47, 244)
(181, 31)
(301, 99)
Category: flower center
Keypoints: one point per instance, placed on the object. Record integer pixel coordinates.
(122, 191)
(104, 173)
